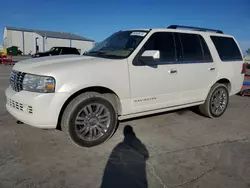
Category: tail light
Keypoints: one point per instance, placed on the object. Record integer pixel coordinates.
(244, 68)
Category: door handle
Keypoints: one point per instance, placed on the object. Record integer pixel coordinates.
(172, 71)
(212, 68)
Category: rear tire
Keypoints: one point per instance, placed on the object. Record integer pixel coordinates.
(216, 102)
(89, 119)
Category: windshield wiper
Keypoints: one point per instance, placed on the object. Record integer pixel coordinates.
(113, 56)
(97, 52)
(103, 54)
(93, 53)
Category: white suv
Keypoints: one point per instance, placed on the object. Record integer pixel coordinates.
(132, 73)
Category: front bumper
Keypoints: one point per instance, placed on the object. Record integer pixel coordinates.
(35, 109)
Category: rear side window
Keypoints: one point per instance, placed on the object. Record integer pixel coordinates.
(191, 47)
(227, 48)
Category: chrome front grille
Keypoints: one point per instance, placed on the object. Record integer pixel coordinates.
(16, 80)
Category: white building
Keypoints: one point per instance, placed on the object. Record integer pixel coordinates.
(27, 40)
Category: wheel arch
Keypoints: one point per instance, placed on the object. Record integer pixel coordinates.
(205, 107)
(110, 94)
(226, 82)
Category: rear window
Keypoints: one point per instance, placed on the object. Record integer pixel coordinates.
(227, 48)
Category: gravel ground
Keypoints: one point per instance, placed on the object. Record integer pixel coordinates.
(178, 149)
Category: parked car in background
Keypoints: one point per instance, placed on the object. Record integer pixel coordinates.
(57, 51)
(130, 74)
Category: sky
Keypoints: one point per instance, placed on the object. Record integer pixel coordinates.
(97, 19)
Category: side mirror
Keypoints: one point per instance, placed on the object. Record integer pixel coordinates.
(150, 56)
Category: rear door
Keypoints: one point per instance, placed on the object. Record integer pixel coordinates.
(196, 67)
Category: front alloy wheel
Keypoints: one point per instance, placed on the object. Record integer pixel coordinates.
(89, 120)
(92, 122)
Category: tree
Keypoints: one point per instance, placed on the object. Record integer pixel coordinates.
(248, 51)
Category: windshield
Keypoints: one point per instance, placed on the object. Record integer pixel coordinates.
(118, 45)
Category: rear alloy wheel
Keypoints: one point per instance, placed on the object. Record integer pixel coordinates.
(216, 102)
(89, 119)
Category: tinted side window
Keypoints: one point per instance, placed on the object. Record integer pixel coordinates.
(64, 51)
(60, 50)
(74, 51)
(226, 48)
(70, 50)
(206, 52)
(191, 47)
(164, 42)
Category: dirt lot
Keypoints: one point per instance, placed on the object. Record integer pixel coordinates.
(184, 150)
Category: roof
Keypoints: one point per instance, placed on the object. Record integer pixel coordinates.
(187, 29)
(180, 31)
(52, 34)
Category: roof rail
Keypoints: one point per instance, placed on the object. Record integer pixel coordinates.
(194, 28)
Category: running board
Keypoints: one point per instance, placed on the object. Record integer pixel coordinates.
(129, 116)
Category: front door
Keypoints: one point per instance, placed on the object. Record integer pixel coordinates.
(156, 84)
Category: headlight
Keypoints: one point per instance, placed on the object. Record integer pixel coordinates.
(36, 83)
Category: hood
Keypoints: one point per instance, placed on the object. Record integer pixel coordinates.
(48, 65)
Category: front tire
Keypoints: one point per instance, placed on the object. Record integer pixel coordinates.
(216, 102)
(89, 120)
